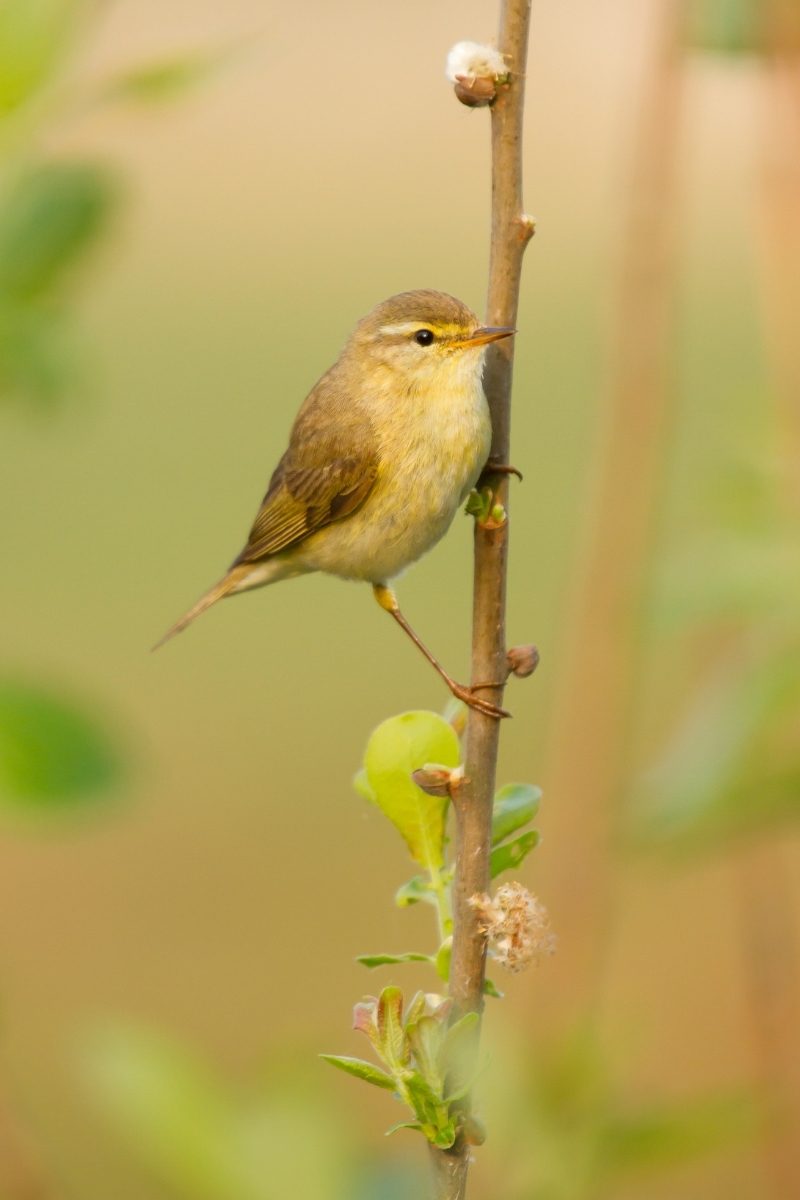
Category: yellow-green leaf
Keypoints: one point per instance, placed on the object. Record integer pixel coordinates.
(398, 747)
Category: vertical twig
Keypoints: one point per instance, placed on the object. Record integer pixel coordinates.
(510, 233)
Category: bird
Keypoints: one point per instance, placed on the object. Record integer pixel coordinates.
(382, 454)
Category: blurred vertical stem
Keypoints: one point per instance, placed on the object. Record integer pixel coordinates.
(763, 879)
(510, 233)
(596, 681)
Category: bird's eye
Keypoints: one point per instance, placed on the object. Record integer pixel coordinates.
(423, 337)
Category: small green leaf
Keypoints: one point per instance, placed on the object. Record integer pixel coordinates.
(397, 747)
(458, 1055)
(415, 891)
(52, 215)
(443, 1136)
(443, 956)
(428, 1104)
(391, 1035)
(426, 1036)
(510, 854)
(382, 960)
(361, 1070)
(491, 989)
(515, 805)
(416, 1007)
(403, 1125)
(53, 756)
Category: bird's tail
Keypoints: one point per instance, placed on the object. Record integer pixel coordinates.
(225, 587)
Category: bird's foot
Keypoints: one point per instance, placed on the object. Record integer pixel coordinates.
(494, 468)
(467, 694)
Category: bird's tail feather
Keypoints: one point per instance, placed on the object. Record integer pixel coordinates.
(225, 587)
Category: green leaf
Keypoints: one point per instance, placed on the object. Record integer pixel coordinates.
(426, 1036)
(491, 989)
(391, 1035)
(52, 215)
(511, 854)
(416, 1007)
(443, 1135)
(443, 957)
(53, 755)
(515, 805)
(158, 82)
(427, 1104)
(415, 891)
(458, 1055)
(34, 35)
(397, 747)
(404, 1125)
(382, 960)
(361, 1070)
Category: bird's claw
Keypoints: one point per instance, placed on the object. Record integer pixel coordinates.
(467, 694)
(493, 467)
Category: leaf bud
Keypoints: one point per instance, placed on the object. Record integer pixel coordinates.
(436, 780)
(522, 661)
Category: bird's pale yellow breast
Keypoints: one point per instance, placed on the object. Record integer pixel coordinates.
(433, 442)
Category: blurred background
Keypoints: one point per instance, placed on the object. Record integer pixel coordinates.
(197, 201)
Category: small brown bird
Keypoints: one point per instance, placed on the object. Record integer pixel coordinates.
(383, 452)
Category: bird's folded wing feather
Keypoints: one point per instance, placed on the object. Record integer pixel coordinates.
(327, 472)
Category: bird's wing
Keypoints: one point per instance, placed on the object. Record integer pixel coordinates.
(327, 472)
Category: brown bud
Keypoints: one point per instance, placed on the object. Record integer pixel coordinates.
(475, 92)
(438, 781)
(522, 660)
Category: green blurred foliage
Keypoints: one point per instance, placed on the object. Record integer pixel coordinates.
(34, 38)
(562, 1117)
(726, 26)
(55, 758)
(205, 1141)
(733, 764)
(49, 219)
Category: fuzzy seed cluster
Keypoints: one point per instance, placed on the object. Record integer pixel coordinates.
(517, 926)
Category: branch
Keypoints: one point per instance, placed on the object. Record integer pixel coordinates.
(511, 231)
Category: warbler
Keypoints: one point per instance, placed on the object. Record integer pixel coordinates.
(384, 450)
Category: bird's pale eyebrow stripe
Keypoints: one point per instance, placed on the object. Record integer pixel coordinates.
(406, 328)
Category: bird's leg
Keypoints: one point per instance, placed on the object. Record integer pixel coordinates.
(388, 601)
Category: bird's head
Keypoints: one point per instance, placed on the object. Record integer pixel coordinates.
(422, 338)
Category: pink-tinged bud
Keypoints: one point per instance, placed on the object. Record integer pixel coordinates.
(365, 1018)
(522, 660)
(476, 72)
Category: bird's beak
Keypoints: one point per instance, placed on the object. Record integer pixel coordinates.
(481, 336)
